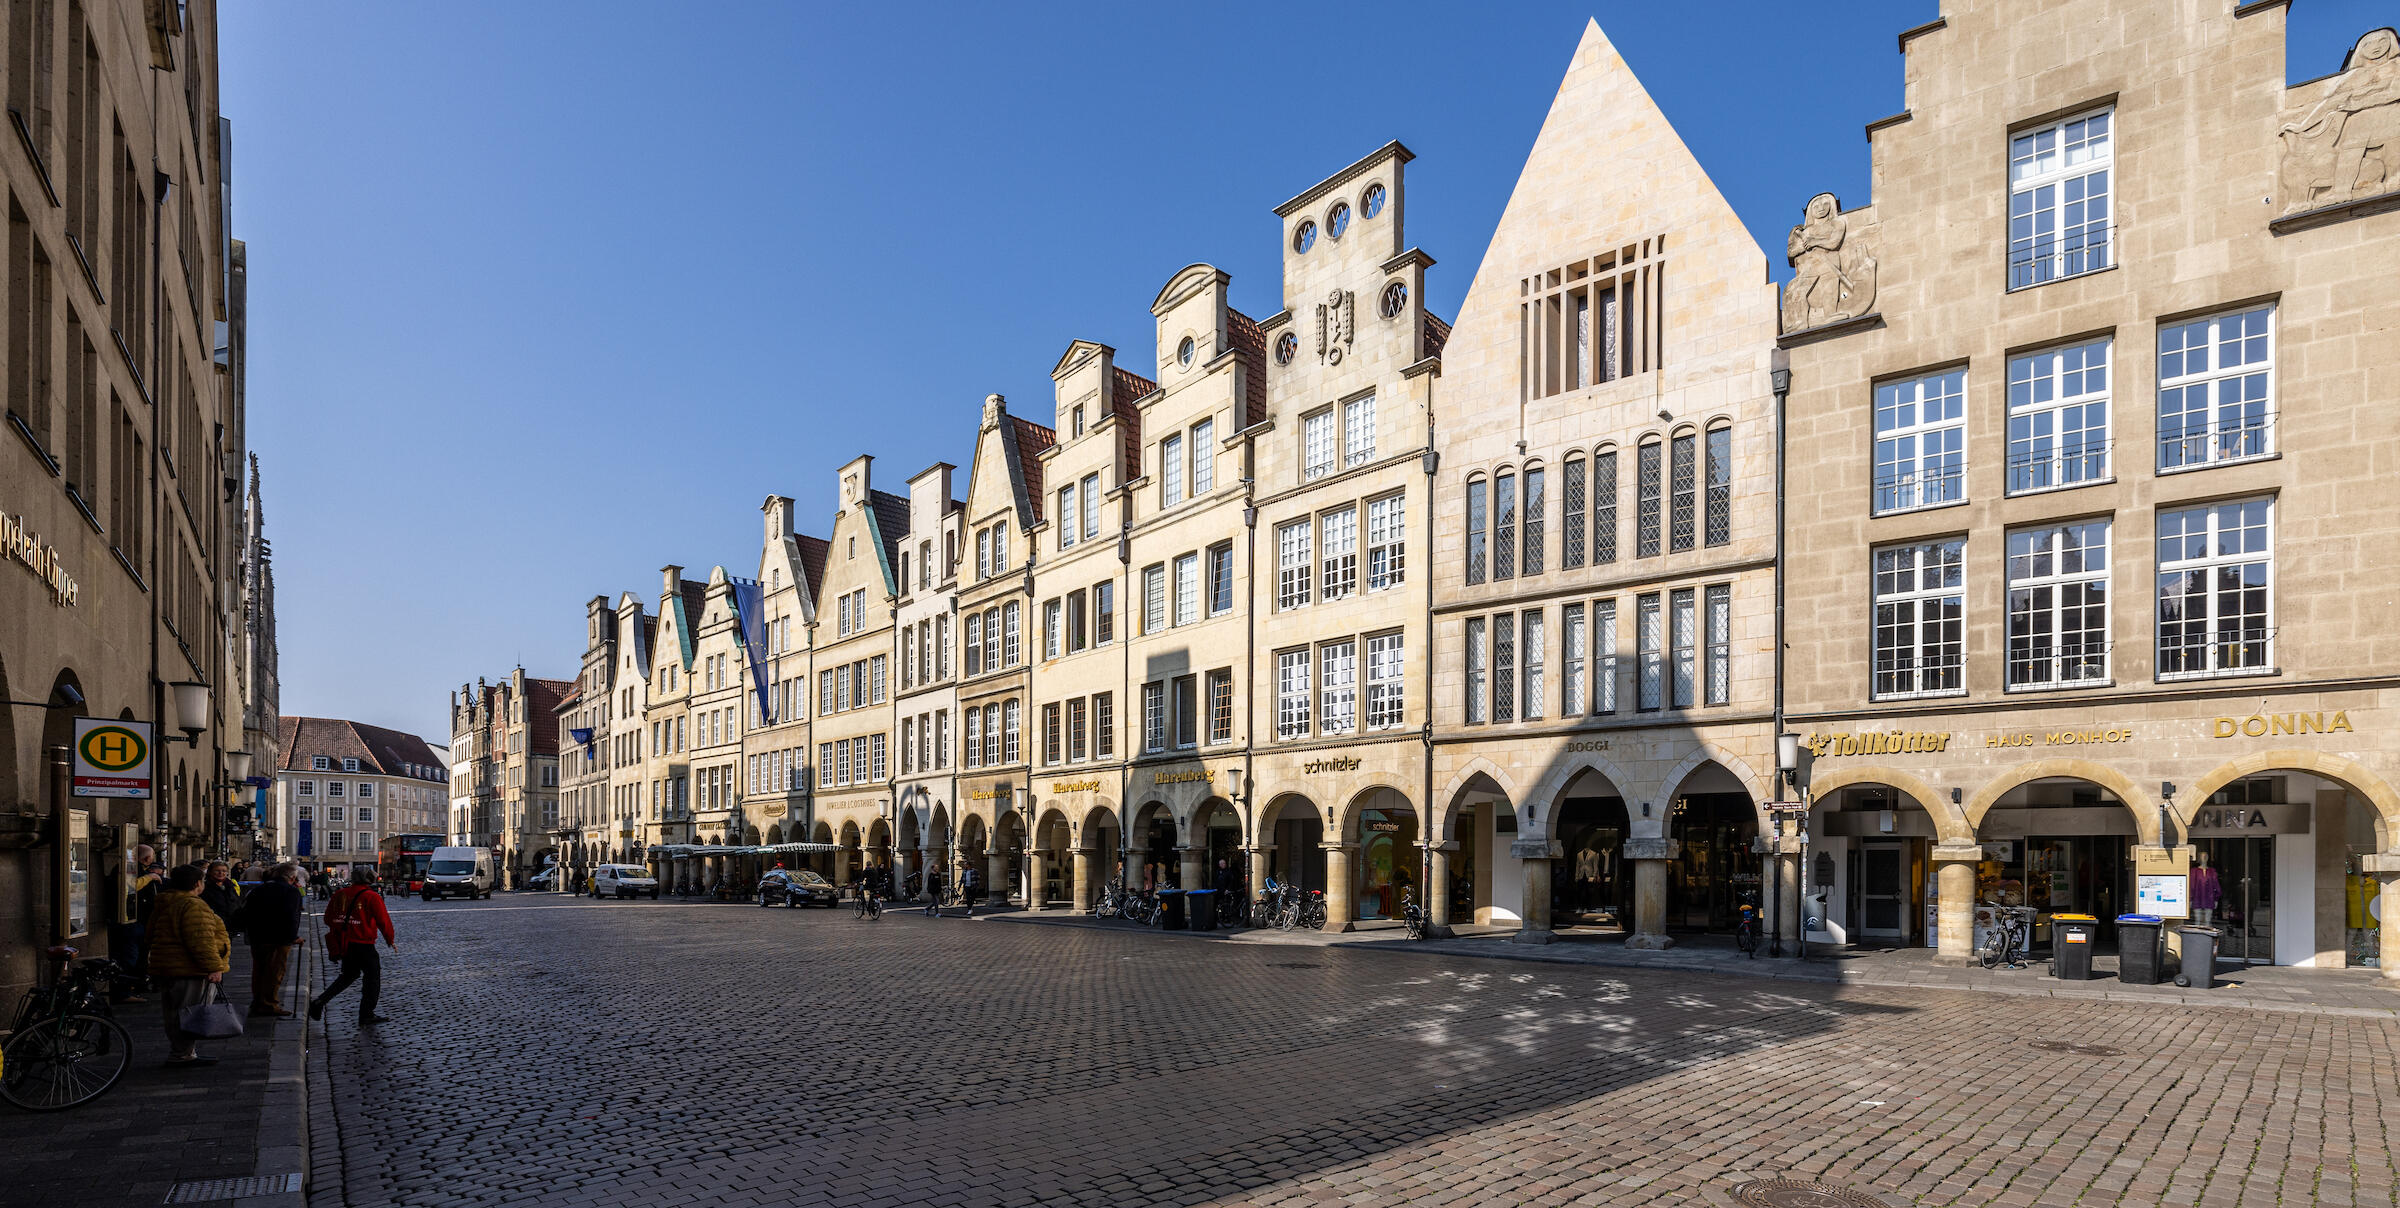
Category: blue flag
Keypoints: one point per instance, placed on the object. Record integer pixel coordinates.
(749, 607)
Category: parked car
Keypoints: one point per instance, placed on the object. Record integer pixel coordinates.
(623, 881)
(787, 887)
(545, 879)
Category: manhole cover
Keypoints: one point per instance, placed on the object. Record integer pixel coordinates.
(1293, 965)
(1792, 1193)
(2050, 1046)
(210, 1190)
(2080, 1050)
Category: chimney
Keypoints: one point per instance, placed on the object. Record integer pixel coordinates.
(779, 519)
(671, 581)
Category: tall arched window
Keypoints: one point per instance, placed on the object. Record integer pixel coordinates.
(1719, 456)
(1537, 515)
(1475, 529)
(1650, 462)
(1571, 521)
(1683, 474)
(1504, 525)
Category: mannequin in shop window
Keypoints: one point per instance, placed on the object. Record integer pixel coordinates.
(2205, 891)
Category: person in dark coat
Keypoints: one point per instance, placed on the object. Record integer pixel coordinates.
(222, 893)
(270, 920)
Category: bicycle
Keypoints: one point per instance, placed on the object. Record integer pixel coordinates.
(1110, 903)
(2008, 947)
(870, 908)
(1140, 906)
(66, 1046)
(1745, 932)
(1412, 914)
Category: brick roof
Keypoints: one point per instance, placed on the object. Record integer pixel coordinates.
(813, 552)
(1436, 334)
(1032, 439)
(1126, 390)
(1250, 343)
(542, 697)
(379, 751)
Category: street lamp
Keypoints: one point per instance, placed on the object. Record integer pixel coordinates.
(1790, 790)
(191, 710)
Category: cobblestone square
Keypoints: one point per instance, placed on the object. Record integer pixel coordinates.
(559, 1052)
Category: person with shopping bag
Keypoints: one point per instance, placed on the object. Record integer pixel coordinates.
(189, 954)
(353, 919)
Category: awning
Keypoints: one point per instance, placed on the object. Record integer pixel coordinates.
(681, 850)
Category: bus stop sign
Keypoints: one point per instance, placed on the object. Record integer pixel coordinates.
(112, 758)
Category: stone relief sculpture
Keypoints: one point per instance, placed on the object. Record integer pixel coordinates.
(1833, 269)
(1334, 324)
(2347, 145)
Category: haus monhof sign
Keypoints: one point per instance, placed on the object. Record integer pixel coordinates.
(26, 548)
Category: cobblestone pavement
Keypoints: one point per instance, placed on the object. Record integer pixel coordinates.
(622, 1054)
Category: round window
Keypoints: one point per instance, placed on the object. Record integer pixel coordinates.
(1304, 238)
(1338, 220)
(1395, 299)
(1183, 352)
(1371, 202)
(1286, 346)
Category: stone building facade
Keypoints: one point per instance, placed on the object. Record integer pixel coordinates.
(2091, 581)
(997, 550)
(776, 751)
(347, 786)
(925, 687)
(504, 743)
(851, 653)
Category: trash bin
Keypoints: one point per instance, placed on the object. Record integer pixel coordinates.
(2071, 945)
(1203, 909)
(1170, 910)
(2141, 949)
(2199, 957)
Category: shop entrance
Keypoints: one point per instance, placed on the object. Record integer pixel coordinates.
(1589, 884)
(1298, 833)
(1883, 890)
(1716, 865)
(1387, 860)
(2233, 889)
(2056, 847)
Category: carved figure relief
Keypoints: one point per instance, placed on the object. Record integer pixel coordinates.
(1334, 325)
(2347, 145)
(991, 411)
(1833, 269)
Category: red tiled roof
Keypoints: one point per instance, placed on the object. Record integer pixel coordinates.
(1436, 334)
(813, 551)
(1125, 391)
(379, 751)
(542, 697)
(1032, 439)
(1250, 343)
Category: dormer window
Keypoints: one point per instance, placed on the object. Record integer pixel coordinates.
(320, 763)
(349, 765)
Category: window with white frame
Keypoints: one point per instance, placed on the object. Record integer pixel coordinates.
(2216, 399)
(1292, 693)
(1680, 607)
(1010, 655)
(349, 764)
(1358, 431)
(974, 658)
(1079, 726)
(1532, 638)
(1476, 676)
(1170, 470)
(1339, 543)
(1220, 706)
(308, 788)
(1154, 717)
(1052, 624)
(2059, 219)
(1293, 558)
(1921, 442)
(320, 763)
(1604, 656)
(1386, 665)
(1104, 724)
(1649, 649)
(999, 556)
(1573, 654)
(1920, 627)
(2216, 576)
(1184, 690)
(2058, 417)
(2058, 605)
(1220, 579)
(1154, 599)
(1079, 631)
(1317, 437)
(1337, 687)
(1187, 588)
(1091, 507)
(1012, 729)
(1387, 529)
(1204, 457)
(1066, 516)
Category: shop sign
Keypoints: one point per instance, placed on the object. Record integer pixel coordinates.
(1589, 744)
(1074, 786)
(1194, 776)
(1339, 763)
(112, 758)
(2260, 725)
(1874, 742)
(2235, 821)
(27, 548)
(2062, 738)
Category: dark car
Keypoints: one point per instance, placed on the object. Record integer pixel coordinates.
(783, 887)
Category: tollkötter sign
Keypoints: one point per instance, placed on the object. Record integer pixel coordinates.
(112, 758)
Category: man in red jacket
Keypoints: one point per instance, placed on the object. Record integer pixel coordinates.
(352, 920)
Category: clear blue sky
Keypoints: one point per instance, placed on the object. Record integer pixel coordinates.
(544, 296)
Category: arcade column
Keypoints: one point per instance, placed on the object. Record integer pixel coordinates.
(1341, 908)
(1649, 858)
(1954, 915)
(1535, 855)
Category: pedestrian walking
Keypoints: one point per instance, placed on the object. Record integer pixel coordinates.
(353, 919)
(970, 887)
(222, 893)
(189, 954)
(321, 881)
(270, 921)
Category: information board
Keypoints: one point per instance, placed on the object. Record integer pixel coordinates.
(2163, 895)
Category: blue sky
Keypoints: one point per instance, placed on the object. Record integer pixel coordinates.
(545, 296)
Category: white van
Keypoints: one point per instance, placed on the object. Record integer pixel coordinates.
(623, 881)
(459, 872)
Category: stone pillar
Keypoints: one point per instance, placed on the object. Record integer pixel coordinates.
(1954, 913)
(841, 869)
(1037, 867)
(1649, 859)
(2384, 866)
(1535, 909)
(1262, 866)
(1437, 894)
(1341, 908)
(1787, 898)
(1191, 868)
(995, 875)
(2329, 829)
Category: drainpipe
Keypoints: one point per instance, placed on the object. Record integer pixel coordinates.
(1250, 651)
(1779, 376)
(1426, 836)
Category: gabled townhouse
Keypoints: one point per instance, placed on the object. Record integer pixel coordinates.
(668, 724)
(851, 657)
(995, 588)
(717, 708)
(775, 749)
(925, 695)
(627, 735)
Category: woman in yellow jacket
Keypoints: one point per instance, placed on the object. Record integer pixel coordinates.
(189, 953)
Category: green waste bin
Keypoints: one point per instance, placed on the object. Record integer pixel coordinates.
(2141, 949)
(2071, 937)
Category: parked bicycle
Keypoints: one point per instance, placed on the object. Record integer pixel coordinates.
(1745, 932)
(1141, 906)
(1111, 903)
(1412, 914)
(66, 1046)
(2013, 925)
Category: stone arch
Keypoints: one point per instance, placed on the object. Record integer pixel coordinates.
(1054, 821)
(1564, 772)
(1273, 812)
(1708, 752)
(1947, 821)
(1207, 809)
(1480, 782)
(2145, 811)
(1346, 814)
(971, 833)
(823, 832)
(1478, 766)
(2332, 767)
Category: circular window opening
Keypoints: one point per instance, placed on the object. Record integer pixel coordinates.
(1286, 345)
(1304, 238)
(1339, 220)
(1371, 202)
(1184, 351)
(1395, 299)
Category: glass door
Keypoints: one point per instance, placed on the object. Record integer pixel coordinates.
(2241, 900)
(1882, 890)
